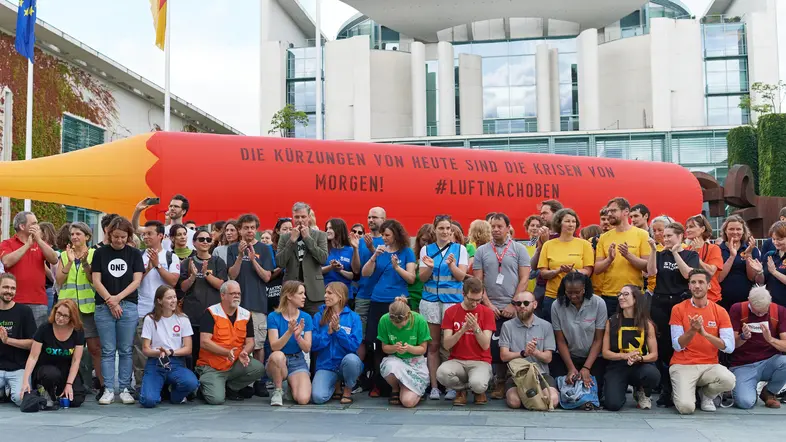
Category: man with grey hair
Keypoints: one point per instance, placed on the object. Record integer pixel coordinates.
(760, 334)
(226, 340)
(25, 256)
(302, 253)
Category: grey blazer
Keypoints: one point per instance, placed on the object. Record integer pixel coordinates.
(315, 258)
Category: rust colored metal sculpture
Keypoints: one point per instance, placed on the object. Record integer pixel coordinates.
(759, 212)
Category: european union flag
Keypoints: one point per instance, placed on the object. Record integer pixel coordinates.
(25, 28)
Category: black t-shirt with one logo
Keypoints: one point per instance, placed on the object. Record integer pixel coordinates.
(19, 323)
(55, 352)
(117, 268)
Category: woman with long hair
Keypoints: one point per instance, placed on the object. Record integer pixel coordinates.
(443, 267)
(424, 237)
(698, 232)
(266, 237)
(338, 266)
(671, 267)
(335, 340)
(282, 227)
(404, 336)
(742, 267)
(117, 274)
(579, 342)
(775, 264)
(215, 232)
(230, 234)
(657, 230)
(289, 331)
(166, 341)
(479, 234)
(179, 235)
(55, 356)
(562, 255)
(630, 346)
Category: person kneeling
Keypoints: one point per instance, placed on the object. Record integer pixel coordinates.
(226, 339)
(631, 347)
(467, 329)
(336, 338)
(404, 336)
(531, 338)
(757, 354)
(166, 340)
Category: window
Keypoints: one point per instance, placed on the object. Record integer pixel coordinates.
(79, 134)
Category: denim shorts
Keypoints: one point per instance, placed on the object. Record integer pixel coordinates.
(296, 363)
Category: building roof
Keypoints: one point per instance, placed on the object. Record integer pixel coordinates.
(297, 12)
(422, 19)
(718, 7)
(61, 45)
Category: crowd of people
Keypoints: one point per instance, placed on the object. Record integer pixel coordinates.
(308, 313)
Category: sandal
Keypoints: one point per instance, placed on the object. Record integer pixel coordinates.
(336, 396)
(394, 398)
(347, 400)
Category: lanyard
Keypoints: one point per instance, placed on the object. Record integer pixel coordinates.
(500, 257)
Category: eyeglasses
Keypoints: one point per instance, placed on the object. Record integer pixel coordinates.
(357, 232)
(60, 315)
(521, 303)
(441, 218)
(203, 239)
(474, 300)
(624, 294)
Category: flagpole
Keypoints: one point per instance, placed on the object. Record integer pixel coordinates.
(318, 32)
(166, 66)
(29, 128)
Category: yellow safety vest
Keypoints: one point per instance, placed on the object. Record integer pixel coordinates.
(78, 286)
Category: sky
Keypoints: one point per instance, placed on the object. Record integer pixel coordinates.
(214, 59)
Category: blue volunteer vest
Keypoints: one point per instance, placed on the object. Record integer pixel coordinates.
(442, 286)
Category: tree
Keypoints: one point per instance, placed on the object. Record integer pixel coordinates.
(772, 155)
(768, 98)
(285, 120)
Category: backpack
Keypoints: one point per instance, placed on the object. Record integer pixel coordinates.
(745, 311)
(530, 385)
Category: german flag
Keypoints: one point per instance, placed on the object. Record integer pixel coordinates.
(158, 8)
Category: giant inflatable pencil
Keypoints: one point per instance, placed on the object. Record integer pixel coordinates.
(225, 176)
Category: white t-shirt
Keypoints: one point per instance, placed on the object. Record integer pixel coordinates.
(167, 243)
(152, 281)
(167, 332)
(462, 259)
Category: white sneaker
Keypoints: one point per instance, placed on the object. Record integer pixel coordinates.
(643, 401)
(49, 402)
(107, 398)
(450, 395)
(126, 397)
(277, 398)
(434, 396)
(707, 403)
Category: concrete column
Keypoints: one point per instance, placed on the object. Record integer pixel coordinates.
(660, 62)
(763, 63)
(542, 87)
(589, 85)
(471, 93)
(446, 89)
(556, 107)
(418, 69)
(272, 82)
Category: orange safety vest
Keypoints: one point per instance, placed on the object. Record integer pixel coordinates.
(226, 335)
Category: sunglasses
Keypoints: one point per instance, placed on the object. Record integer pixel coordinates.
(398, 318)
(521, 303)
(204, 239)
(357, 232)
(285, 220)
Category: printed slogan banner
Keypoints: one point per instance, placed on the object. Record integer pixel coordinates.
(225, 176)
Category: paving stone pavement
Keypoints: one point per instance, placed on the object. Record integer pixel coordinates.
(370, 420)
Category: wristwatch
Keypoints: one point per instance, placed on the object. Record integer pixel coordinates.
(523, 354)
(158, 266)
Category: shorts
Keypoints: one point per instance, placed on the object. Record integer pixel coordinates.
(89, 325)
(296, 363)
(434, 311)
(361, 308)
(549, 380)
(260, 329)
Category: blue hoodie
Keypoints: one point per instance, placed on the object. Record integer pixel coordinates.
(331, 348)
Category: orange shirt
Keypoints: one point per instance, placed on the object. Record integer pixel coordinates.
(711, 254)
(699, 350)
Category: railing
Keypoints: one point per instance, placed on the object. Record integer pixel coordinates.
(715, 19)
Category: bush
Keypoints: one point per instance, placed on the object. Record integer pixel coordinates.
(744, 149)
(772, 154)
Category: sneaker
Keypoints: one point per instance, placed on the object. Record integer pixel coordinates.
(460, 398)
(45, 394)
(450, 395)
(107, 397)
(665, 400)
(434, 396)
(287, 391)
(260, 389)
(126, 397)
(643, 401)
(357, 390)
(277, 398)
(707, 403)
(725, 400)
(232, 395)
(100, 392)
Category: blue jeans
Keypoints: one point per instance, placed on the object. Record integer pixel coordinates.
(182, 380)
(772, 371)
(50, 299)
(117, 336)
(547, 303)
(324, 382)
(13, 381)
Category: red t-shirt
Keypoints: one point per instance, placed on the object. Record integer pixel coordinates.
(467, 348)
(756, 348)
(29, 272)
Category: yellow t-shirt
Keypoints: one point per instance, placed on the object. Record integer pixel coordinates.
(531, 250)
(651, 279)
(621, 272)
(556, 253)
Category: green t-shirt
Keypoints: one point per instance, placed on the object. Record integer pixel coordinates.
(471, 249)
(415, 290)
(414, 333)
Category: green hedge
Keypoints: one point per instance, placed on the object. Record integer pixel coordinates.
(743, 149)
(772, 154)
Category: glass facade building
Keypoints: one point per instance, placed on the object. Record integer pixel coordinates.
(302, 88)
(725, 70)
